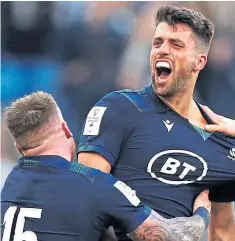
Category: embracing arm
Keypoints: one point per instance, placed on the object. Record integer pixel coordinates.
(222, 226)
(157, 228)
(94, 160)
(154, 228)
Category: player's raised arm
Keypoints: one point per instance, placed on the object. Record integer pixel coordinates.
(181, 228)
(124, 210)
(157, 228)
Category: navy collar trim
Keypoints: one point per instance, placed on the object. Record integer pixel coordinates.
(59, 162)
(207, 118)
(160, 105)
(45, 160)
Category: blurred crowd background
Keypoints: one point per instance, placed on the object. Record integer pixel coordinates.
(79, 51)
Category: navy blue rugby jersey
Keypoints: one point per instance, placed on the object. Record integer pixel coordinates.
(159, 153)
(47, 198)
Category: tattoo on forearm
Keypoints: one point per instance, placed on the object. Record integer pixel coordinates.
(191, 228)
(157, 228)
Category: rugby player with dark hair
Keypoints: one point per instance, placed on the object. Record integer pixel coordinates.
(155, 140)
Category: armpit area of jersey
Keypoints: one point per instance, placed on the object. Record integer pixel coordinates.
(223, 193)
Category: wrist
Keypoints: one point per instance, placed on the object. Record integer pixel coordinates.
(204, 214)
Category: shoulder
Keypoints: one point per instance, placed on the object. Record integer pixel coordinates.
(118, 98)
(128, 99)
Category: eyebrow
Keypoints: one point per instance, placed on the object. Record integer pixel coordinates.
(171, 39)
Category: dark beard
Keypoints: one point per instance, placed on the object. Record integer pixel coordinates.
(154, 86)
(176, 86)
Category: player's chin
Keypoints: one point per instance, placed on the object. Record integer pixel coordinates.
(163, 89)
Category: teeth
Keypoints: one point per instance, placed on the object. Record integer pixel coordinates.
(163, 64)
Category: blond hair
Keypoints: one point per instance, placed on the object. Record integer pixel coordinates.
(31, 119)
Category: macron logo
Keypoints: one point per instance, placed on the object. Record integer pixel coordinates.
(168, 125)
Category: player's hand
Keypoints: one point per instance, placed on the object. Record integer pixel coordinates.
(202, 201)
(222, 124)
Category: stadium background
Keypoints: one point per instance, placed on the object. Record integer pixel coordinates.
(79, 51)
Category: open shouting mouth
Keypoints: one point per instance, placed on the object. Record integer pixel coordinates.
(163, 69)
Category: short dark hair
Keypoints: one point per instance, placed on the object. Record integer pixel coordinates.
(200, 25)
(29, 113)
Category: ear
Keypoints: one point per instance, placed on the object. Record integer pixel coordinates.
(18, 148)
(200, 62)
(66, 130)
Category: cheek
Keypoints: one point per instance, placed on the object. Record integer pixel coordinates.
(153, 54)
(151, 58)
(182, 62)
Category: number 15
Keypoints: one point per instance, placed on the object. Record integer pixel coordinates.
(19, 234)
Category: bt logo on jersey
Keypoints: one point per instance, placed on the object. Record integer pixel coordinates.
(177, 167)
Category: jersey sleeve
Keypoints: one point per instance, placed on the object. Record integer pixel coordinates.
(120, 205)
(108, 126)
(223, 193)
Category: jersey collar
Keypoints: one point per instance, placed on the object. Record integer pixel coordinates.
(45, 160)
(207, 118)
(59, 162)
(160, 105)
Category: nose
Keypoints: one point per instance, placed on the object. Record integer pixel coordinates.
(164, 49)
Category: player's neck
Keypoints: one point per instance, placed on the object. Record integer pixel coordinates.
(181, 102)
(184, 104)
(187, 108)
(51, 147)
